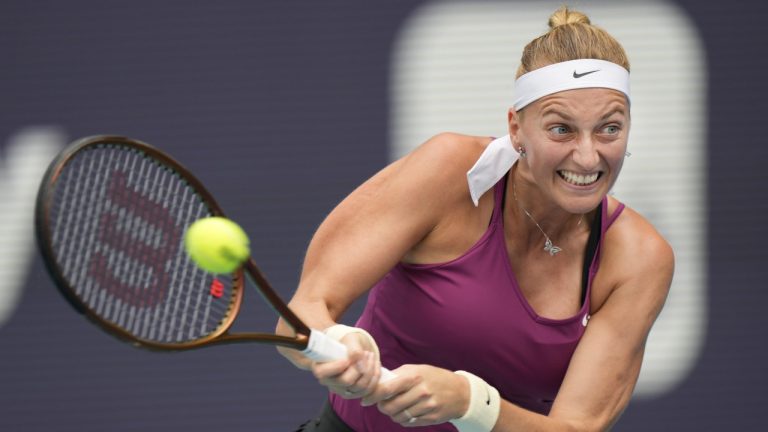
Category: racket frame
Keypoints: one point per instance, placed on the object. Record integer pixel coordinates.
(219, 336)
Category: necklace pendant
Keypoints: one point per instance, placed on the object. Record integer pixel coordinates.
(551, 248)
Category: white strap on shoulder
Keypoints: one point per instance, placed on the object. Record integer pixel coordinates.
(493, 163)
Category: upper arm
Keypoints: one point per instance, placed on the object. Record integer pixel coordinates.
(379, 222)
(603, 371)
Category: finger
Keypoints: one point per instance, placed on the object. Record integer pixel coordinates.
(390, 390)
(367, 383)
(406, 417)
(338, 372)
(347, 379)
(419, 414)
(328, 370)
(369, 370)
(353, 342)
(380, 392)
(395, 407)
(364, 371)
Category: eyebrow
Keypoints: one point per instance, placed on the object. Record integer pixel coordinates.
(619, 110)
(551, 110)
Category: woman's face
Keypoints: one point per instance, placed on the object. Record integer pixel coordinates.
(575, 142)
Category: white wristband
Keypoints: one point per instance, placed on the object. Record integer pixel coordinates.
(484, 406)
(338, 331)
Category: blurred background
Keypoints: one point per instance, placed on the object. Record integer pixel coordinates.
(281, 108)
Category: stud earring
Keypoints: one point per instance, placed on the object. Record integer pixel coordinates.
(522, 152)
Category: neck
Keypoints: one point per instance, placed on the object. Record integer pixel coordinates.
(545, 229)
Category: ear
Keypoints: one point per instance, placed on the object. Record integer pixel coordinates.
(513, 123)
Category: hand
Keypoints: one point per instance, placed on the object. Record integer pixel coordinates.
(421, 395)
(354, 377)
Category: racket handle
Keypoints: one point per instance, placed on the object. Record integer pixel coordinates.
(321, 348)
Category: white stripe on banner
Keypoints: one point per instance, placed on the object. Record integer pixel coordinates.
(26, 157)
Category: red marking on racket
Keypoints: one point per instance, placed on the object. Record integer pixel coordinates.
(217, 288)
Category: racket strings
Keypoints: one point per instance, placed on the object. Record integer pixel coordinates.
(117, 218)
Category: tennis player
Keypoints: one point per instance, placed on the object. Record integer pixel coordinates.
(508, 290)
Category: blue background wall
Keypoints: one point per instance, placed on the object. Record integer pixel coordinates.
(281, 108)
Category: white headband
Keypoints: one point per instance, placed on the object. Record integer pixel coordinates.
(569, 75)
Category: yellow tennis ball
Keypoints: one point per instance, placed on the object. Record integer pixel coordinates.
(216, 244)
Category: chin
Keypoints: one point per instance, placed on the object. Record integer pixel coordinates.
(581, 206)
(581, 199)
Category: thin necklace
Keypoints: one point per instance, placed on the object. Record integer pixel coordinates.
(548, 245)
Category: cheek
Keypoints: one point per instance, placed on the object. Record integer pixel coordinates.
(546, 156)
(616, 156)
(542, 165)
(615, 164)
(615, 170)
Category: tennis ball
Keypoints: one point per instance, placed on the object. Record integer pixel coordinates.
(216, 244)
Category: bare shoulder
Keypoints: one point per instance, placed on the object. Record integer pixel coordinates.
(424, 184)
(637, 257)
(632, 235)
(450, 151)
(441, 163)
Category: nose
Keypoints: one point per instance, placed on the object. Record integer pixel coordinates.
(585, 154)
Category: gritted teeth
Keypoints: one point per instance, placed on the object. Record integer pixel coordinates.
(579, 179)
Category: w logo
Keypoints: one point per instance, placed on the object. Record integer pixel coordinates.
(23, 160)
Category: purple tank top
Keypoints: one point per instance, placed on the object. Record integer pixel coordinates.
(469, 314)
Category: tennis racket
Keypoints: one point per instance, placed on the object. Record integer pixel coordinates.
(110, 219)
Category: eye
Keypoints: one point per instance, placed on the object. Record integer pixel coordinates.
(612, 129)
(559, 130)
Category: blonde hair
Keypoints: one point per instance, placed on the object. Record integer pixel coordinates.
(571, 36)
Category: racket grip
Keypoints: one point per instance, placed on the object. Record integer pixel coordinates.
(322, 348)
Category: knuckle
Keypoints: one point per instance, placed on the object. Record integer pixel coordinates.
(386, 389)
(385, 408)
(416, 380)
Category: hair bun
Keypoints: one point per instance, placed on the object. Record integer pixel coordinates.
(565, 16)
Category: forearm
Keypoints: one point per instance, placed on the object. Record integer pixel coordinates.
(515, 418)
(484, 410)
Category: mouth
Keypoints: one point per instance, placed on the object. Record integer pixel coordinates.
(580, 179)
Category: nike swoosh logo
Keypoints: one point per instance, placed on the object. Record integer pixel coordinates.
(585, 320)
(579, 75)
(488, 397)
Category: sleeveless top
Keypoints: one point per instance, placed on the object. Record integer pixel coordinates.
(470, 314)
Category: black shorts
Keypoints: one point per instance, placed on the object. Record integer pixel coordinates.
(327, 421)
